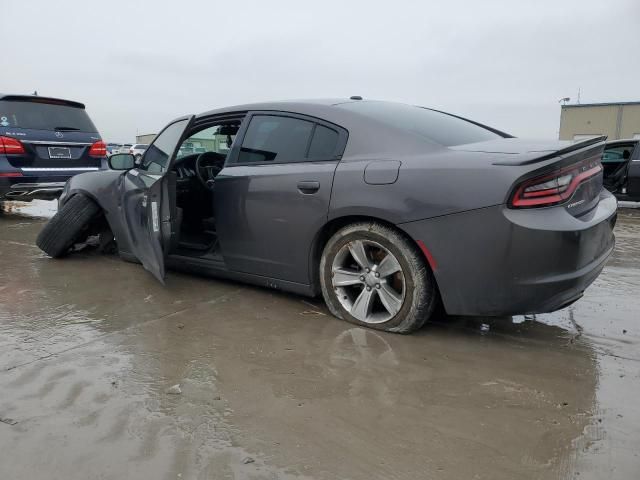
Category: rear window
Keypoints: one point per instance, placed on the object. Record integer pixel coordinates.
(43, 116)
(438, 127)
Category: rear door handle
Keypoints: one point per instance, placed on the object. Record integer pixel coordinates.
(308, 187)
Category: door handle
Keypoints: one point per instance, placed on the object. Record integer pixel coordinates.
(308, 187)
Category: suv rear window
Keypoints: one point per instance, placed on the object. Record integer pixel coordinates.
(438, 127)
(44, 116)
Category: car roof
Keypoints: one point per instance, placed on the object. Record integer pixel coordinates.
(305, 106)
(324, 109)
(39, 99)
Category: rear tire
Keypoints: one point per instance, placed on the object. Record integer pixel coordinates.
(398, 288)
(67, 226)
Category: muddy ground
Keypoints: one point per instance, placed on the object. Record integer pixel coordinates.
(273, 387)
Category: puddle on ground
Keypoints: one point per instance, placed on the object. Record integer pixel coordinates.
(33, 209)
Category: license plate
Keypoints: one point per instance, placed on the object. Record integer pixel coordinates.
(59, 152)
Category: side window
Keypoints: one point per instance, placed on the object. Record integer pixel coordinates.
(157, 156)
(275, 139)
(323, 144)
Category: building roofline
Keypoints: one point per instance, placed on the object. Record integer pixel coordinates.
(602, 104)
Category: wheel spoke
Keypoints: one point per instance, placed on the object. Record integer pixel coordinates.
(343, 277)
(388, 266)
(390, 299)
(362, 306)
(359, 254)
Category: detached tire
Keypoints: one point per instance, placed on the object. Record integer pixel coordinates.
(373, 276)
(67, 225)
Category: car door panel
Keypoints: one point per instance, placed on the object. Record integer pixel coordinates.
(142, 202)
(267, 216)
(148, 200)
(272, 198)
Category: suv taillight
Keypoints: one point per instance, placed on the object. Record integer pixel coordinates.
(10, 145)
(556, 187)
(98, 149)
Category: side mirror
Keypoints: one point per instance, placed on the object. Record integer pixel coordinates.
(121, 161)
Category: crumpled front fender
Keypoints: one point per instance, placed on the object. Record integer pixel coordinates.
(104, 188)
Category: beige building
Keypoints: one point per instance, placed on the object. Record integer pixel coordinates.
(146, 138)
(615, 120)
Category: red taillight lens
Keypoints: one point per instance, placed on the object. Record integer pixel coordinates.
(98, 149)
(10, 145)
(556, 187)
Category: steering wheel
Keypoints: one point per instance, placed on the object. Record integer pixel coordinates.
(208, 165)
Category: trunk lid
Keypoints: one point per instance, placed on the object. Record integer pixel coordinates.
(516, 151)
(531, 161)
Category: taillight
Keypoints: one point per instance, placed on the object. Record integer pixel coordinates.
(556, 187)
(98, 149)
(10, 145)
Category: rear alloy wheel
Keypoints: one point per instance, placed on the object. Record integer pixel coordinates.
(372, 275)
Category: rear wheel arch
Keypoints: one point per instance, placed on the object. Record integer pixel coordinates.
(331, 227)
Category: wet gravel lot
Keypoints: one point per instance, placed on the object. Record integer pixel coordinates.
(272, 387)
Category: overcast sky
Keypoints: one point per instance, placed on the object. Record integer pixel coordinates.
(137, 65)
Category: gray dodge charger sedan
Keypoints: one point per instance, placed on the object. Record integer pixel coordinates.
(385, 209)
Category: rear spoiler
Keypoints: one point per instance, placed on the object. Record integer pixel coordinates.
(38, 99)
(587, 142)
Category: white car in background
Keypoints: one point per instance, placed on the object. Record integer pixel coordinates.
(124, 148)
(137, 150)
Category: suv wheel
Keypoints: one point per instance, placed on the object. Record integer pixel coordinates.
(373, 276)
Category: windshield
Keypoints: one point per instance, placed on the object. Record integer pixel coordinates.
(438, 127)
(44, 116)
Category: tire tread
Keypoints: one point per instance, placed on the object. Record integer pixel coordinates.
(65, 227)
